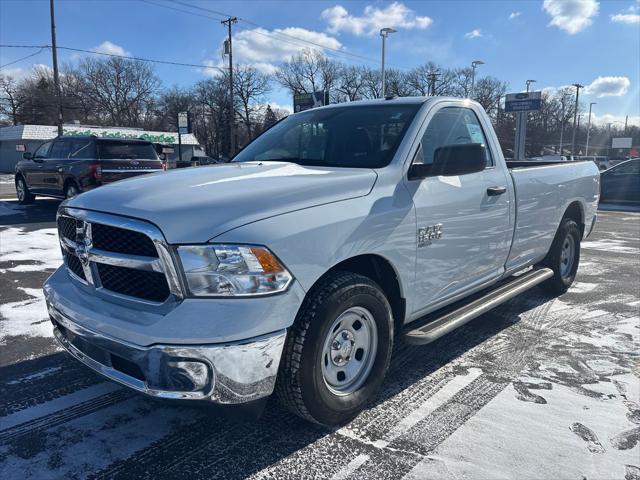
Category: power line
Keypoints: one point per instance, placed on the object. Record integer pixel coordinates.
(127, 57)
(22, 58)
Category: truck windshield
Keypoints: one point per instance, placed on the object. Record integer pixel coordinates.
(353, 136)
(126, 150)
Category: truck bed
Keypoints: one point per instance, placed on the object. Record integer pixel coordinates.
(511, 164)
(543, 192)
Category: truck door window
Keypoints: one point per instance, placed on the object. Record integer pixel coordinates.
(60, 149)
(82, 149)
(452, 126)
(43, 151)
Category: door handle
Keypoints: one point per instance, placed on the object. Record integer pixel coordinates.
(493, 191)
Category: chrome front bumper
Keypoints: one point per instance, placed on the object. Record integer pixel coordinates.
(228, 373)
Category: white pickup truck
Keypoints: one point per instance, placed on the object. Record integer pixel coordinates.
(294, 269)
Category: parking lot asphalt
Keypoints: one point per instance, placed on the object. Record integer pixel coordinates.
(541, 387)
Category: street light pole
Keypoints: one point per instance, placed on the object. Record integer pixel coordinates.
(474, 64)
(529, 82)
(384, 33)
(589, 127)
(575, 119)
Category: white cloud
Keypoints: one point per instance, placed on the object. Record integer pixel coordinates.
(608, 87)
(617, 121)
(262, 48)
(631, 15)
(396, 15)
(629, 18)
(572, 16)
(514, 15)
(110, 48)
(475, 33)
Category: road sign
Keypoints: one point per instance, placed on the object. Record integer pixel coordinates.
(305, 101)
(523, 102)
(621, 142)
(183, 120)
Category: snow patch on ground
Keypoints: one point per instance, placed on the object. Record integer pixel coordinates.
(36, 376)
(35, 251)
(610, 245)
(26, 317)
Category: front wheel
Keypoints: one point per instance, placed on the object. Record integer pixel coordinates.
(563, 257)
(338, 350)
(22, 191)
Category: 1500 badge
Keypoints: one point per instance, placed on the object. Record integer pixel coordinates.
(427, 234)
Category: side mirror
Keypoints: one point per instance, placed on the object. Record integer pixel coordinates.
(452, 160)
(27, 155)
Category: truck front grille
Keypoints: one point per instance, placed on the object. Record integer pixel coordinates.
(115, 259)
(121, 240)
(134, 283)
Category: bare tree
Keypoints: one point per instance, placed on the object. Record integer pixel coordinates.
(121, 89)
(10, 99)
(350, 84)
(250, 86)
(308, 71)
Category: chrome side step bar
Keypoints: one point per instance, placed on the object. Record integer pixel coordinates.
(444, 324)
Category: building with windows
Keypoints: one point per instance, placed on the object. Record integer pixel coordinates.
(15, 140)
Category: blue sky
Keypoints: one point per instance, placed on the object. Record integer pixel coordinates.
(556, 42)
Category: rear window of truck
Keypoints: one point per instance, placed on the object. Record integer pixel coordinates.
(126, 150)
(359, 137)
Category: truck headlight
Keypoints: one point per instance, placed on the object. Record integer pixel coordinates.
(232, 270)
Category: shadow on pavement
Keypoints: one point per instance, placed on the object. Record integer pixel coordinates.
(211, 444)
(41, 211)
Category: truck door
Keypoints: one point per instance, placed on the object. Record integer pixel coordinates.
(34, 170)
(463, 222)
(53, 167)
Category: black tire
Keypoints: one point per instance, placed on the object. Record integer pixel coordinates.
(563, 274)
(301, 386)
(71, 190)
(25, 197)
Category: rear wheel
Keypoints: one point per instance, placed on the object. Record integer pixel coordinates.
(338, 350)
(71, 190)
(563, 257)
(22, 191)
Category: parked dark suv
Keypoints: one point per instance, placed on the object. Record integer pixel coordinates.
(67, 166)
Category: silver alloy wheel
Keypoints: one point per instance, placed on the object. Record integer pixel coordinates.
(20, 189)
(567, 256)
(72, 191)
(349, 351)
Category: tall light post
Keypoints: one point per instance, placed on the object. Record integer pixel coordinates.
(529, 82)
(474, 64)
(589, 127)
(563, 102)
(575, 119)
(384, 33)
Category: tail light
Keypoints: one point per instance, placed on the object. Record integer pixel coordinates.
(96, 172)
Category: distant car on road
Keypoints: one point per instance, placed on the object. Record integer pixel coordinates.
(621, 183)
(66, 166)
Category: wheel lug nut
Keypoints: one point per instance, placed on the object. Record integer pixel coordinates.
(335, 345)
(338, 358)
(345, 335)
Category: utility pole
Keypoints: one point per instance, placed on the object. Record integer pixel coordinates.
(575, 119)
(432, 78)
(384, 33)
(474, 64)
(56, 77)
(589, 127)
(232, 129)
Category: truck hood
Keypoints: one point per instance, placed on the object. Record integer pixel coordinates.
(193, 205)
